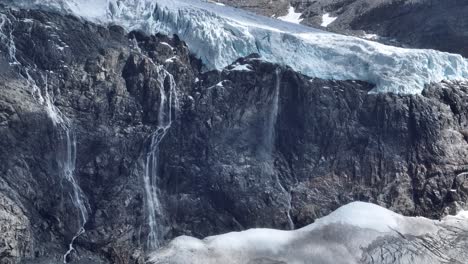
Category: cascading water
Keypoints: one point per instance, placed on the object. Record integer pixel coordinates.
(7, 37)
(168, 104)
(66, 153)
(67, 163)
(269, 135)
(269, 143)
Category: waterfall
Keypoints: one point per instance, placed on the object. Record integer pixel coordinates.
(7, 37)
(269, 135)
(66, 153)
(269, 144)
(66, 156)
(67, 164)
(150, 178)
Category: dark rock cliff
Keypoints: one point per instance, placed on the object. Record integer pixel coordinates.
(264, 147)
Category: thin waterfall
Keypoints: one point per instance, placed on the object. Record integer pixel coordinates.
(269, 143)
(168, 104)
(273, 116)
(66, 153)
(67, 163)
(7, 37)
(66, 158)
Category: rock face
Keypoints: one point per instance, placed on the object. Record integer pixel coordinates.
(441, 25)
(100, 80)
(263, 7)
(254, 145)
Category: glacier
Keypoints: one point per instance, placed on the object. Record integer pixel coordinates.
(355, 233)
(219, 35)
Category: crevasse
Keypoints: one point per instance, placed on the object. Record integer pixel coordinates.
(221, 34)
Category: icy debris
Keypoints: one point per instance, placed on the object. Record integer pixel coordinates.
(341, 237)
(219, 35)
(327, 20)
(292, 16)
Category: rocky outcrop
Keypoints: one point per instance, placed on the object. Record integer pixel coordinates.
(264, 7)
(254, 145)
(15, 229)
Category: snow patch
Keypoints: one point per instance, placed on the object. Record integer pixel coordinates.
(167, 45)
(371, 36)
(463, 214)
(171, 59)
(327, 20)
(240, 67)
(292, 16)
(362, 215)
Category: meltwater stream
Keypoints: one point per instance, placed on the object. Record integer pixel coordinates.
(168, 100)
(66, 156)
(66, 147)
(269, 144)
(67, 160)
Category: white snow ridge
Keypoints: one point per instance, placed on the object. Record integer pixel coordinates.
(347, 236)
(221, 34)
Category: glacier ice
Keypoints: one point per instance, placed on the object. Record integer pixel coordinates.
(221, 34)
(355, 233)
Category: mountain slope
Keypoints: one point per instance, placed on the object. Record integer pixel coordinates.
(125, 129)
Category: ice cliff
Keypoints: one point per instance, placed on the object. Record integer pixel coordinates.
(220, 34)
